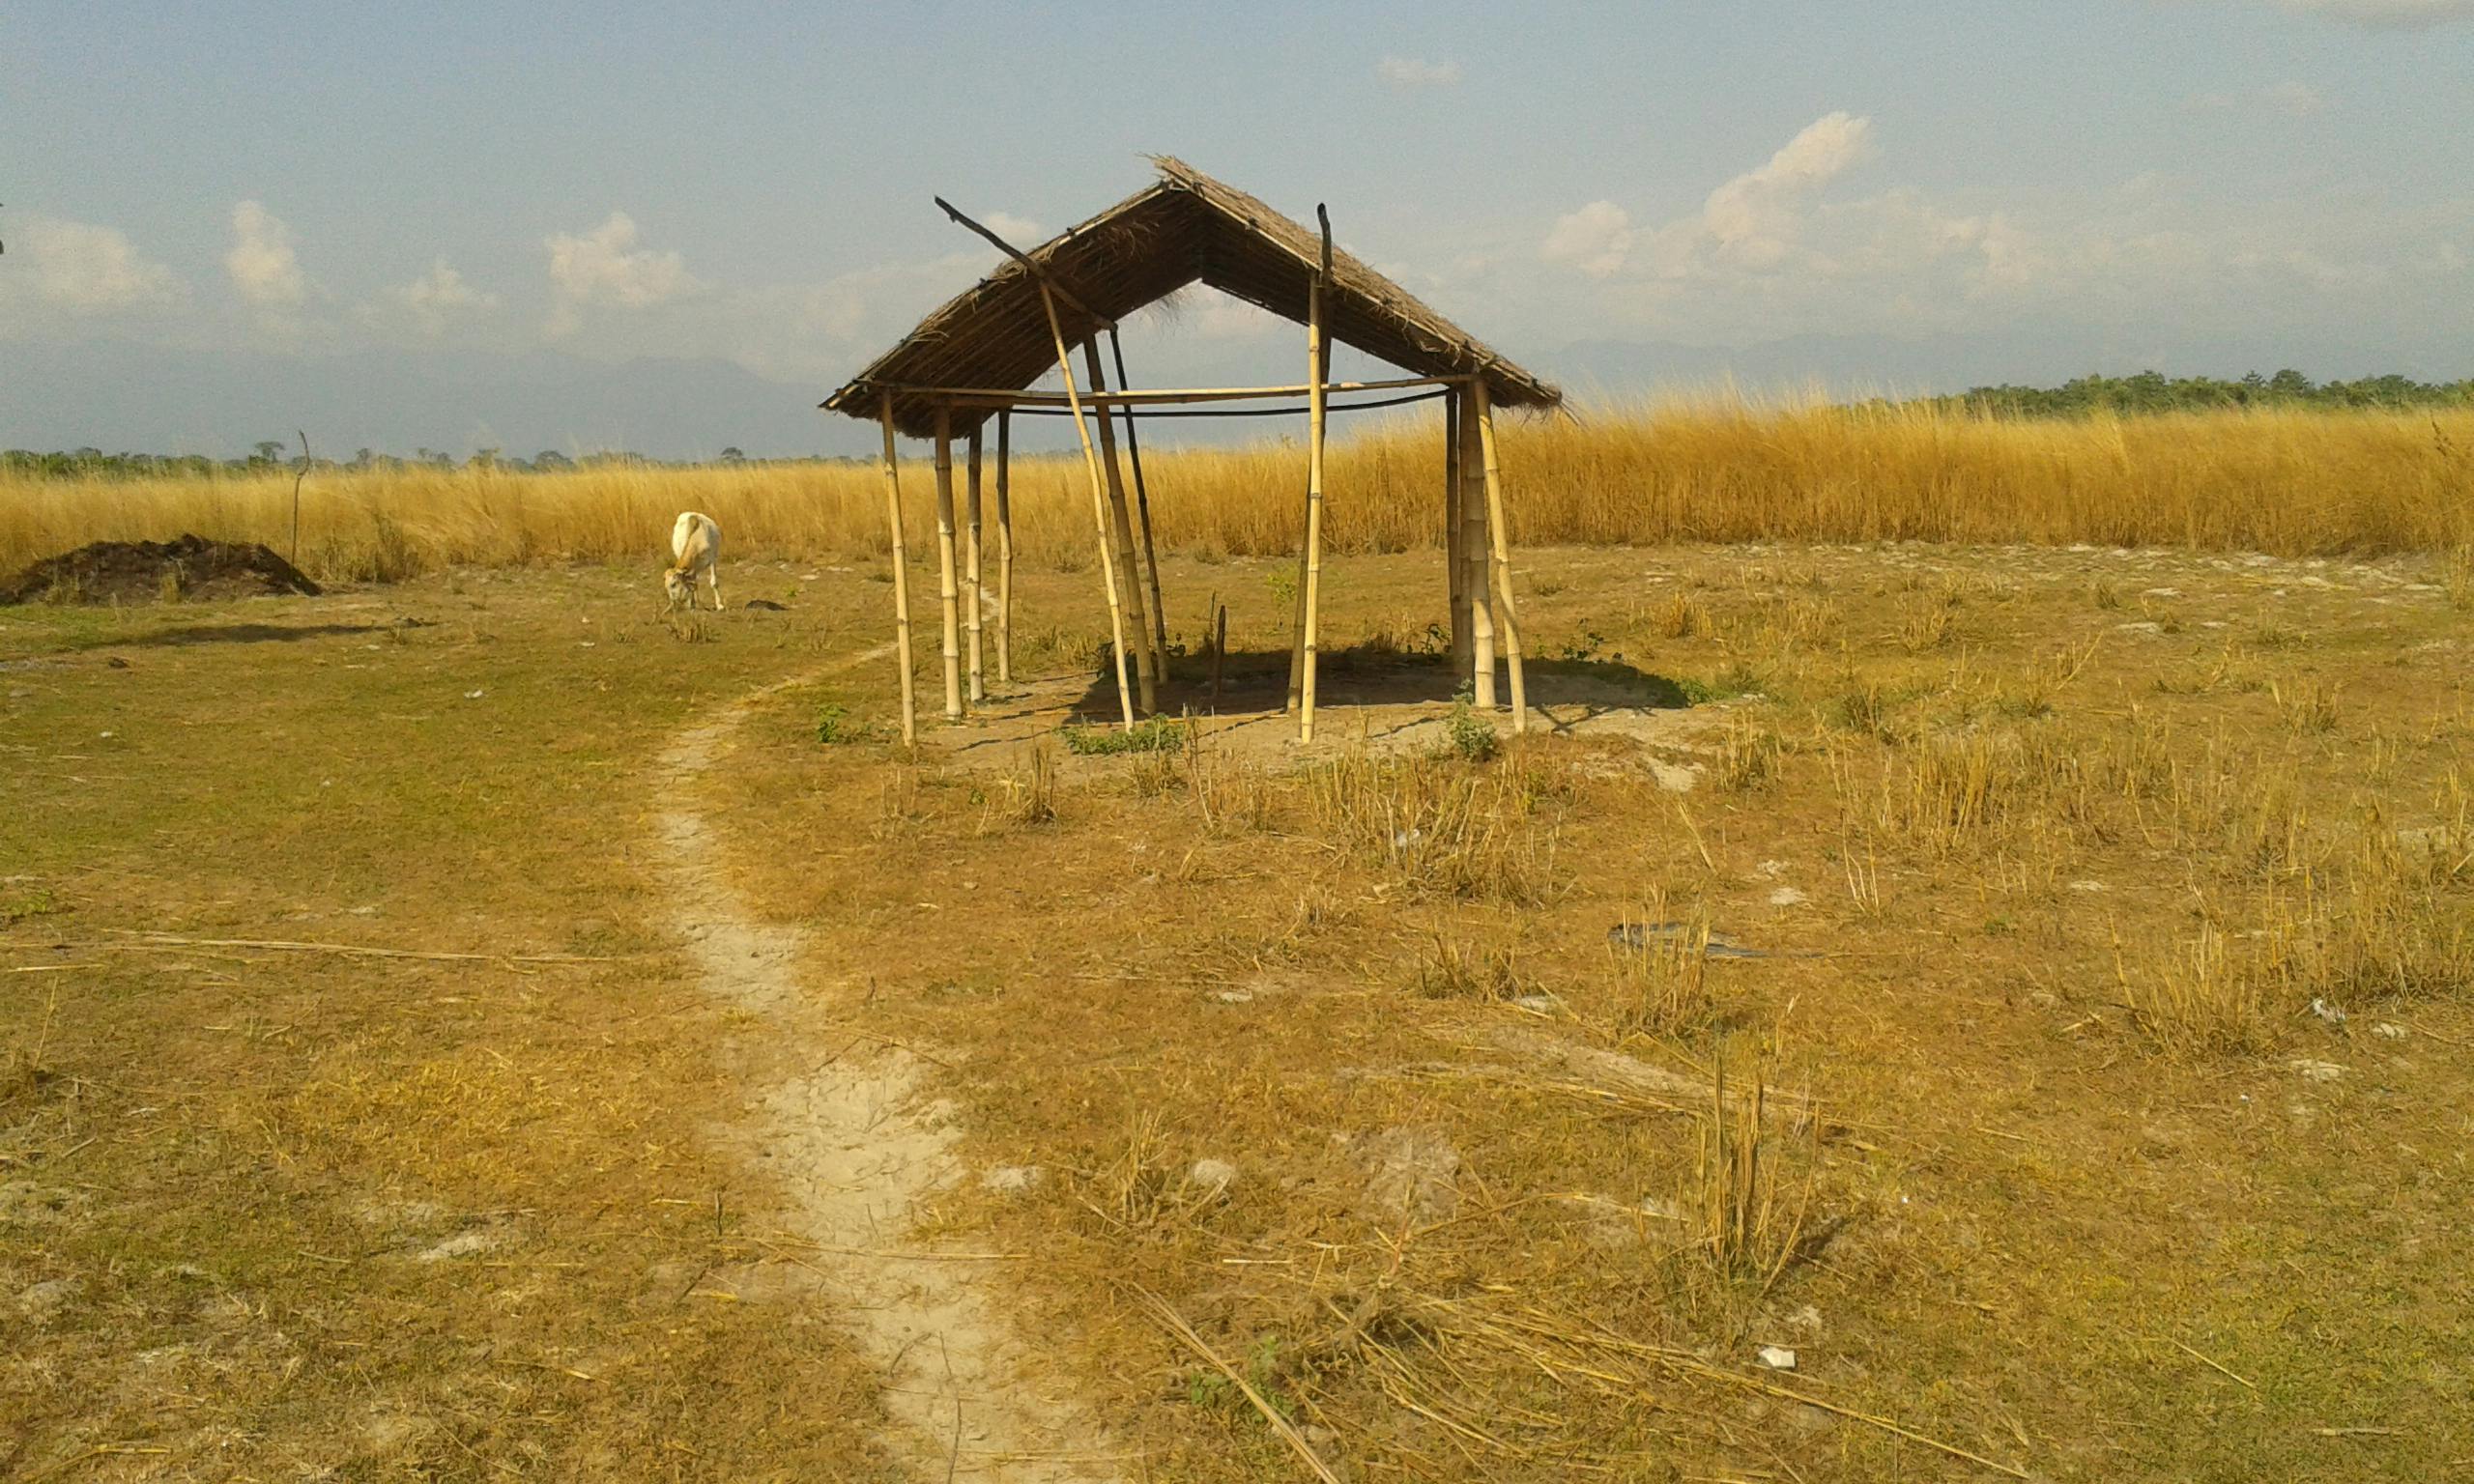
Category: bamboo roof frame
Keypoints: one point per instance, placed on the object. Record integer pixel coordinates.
(984, 348)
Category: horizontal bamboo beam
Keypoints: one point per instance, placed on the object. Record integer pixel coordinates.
(1173, 395)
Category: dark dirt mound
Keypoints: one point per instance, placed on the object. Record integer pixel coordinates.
(190, 569)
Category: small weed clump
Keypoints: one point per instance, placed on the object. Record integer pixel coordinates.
(1749, 758)
(834, 727)
(1455, 970)
(1468, 736)
(1153, 735)
(1662, 978)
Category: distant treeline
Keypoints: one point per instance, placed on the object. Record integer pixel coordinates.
(2151, 391)
(2145, 393)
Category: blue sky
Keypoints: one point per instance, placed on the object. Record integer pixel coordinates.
(1938, 191)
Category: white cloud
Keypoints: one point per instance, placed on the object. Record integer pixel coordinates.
(2385, 14)
(86, 269)
(1752, 217)
(439, 294)
(1411, 73)
(263, 266)
(2293, 100)
(606, 268)
(1020, 231)
(1750, 222)
(1596, 239)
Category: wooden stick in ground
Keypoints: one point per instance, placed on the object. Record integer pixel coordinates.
(901, 577)
(1453, 564)
(1146, 661)
(296, 496)
(1175, 1324)
(1475, 559)
(971, 589)
(1316, 358)
(1509, 618)
(1004, 550)
(1219, 645)
(1143, 507)
(1099, 496)
(947, 596)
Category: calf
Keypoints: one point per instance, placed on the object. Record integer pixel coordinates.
(696, 550)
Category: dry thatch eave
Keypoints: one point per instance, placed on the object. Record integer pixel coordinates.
(1186, 228)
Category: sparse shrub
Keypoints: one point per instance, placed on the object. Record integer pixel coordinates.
(1455, 970)
(1467, 734)
(1924, 626)
(1444, 831)
(2305, 703)
(1749, 757)
(2105, 594)
(1663, 976)
(1152, 734)
(1683, 616)
(2207, 999)
(1746, 1228)
(834, 727)
(1029, 796)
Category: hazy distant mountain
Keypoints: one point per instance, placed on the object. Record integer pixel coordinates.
(118, 396)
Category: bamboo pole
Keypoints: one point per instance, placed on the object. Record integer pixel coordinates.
(1099, 499)
(1475, 561)
(1316, 358)
(1143, 507)
(900, 579)
(1453, 564)
(946, 594)
(1502, 548)
(972, 591)
(1004, 550)
(1146, 662)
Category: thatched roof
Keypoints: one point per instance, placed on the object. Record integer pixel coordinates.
(1185, 229)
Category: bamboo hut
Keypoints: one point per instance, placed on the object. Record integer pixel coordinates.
(978, 356)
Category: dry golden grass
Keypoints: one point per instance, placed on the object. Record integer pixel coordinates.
(1705, 469)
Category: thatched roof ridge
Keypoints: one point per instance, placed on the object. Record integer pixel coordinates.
(1185, 228)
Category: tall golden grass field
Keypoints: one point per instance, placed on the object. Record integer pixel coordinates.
(2290, 482)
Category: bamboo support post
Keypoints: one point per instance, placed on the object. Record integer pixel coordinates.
(1099, 496)
(1316, 357)
(1502, 551)
(900, 579)
(1143, 508)
(946, 592)
(1475, 561)
(1004, 550)
(1453, 565)
(972, 591)
(1146, 661)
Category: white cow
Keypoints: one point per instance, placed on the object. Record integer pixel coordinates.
(696, 549)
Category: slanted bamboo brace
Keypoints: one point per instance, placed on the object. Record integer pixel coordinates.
(1452, 562)
(1143, 506)
(1315, 357)
(945, 589)
(1019, 256)
(973, 589)
(900, 581)
(1005, 552)
(1146, 663)
(1099, 497)
(1502, 548)
(1474, 554)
